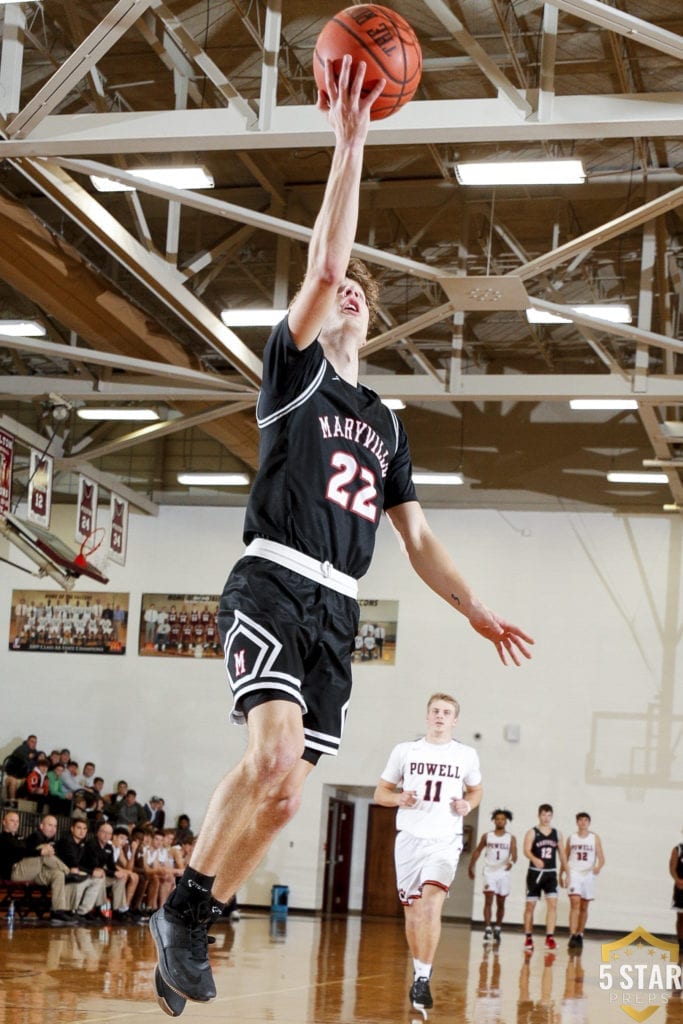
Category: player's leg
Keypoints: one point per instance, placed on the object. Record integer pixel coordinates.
(500, 912)
(532, 894)
(488, 906)
(249, 806)
(583, 915)
(574, 916)
(423, 931)
(550, 920)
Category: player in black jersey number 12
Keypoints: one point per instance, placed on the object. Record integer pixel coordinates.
(332, 459)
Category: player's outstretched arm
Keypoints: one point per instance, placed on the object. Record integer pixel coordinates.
(434, 566)
(334, 231)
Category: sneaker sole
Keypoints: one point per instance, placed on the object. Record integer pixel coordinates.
(167, 998)
(161, 967)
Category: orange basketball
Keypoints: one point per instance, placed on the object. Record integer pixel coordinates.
(387, 44)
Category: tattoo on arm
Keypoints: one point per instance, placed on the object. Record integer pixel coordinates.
(456, 598)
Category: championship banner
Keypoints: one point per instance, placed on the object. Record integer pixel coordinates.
(86, 509)
(118, 530)
(6, 455)
(40, 488)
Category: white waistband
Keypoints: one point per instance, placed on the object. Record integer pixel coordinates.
(320, 572)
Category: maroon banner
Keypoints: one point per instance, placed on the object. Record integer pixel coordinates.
(86, 509)
(40, 488)
(6, 455)
(118, 531)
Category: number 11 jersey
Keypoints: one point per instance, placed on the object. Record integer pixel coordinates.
(438, 773)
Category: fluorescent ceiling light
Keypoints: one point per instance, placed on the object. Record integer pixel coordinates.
(117, 414)
(175, 177)
(252, 317)
(521, 172)
(603, 403)
(213, 479)
(637, 478)
(394, 403)
(615, 314)
(22, 328)
(451, 479)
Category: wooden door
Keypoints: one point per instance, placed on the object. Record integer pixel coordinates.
(338, 856)
(379, 891)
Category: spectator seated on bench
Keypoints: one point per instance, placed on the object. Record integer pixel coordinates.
(18, 765)
(37, 864)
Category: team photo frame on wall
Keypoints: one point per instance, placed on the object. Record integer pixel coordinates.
(56, 622)
(375, 641)
(179, 626)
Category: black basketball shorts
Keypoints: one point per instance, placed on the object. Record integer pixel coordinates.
(538, 882)
(290, 638)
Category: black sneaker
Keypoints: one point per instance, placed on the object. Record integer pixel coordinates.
(64, 917)
(182, 947)
(169, 1001)
(420, 996)
(573, 942)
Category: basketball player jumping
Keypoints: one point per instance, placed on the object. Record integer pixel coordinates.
(434, 782)
(332, 458)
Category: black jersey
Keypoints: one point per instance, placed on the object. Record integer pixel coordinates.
(545, 848)
(679, 862)
(331, 458)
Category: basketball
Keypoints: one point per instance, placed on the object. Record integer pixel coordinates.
(387, 44)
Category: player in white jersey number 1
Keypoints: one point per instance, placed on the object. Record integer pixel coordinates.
(500, 853)
(434, 782)
(584, 861)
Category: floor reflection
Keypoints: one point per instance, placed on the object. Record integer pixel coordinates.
(304, 970)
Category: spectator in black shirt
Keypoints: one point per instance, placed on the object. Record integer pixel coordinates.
(87, 887)
(34, 861)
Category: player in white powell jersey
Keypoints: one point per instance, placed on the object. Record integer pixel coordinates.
(434, 782)
(500, 853)
(584, 860)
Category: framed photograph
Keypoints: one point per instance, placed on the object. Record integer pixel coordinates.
(375, 641)
(68, 623)
(179, 626)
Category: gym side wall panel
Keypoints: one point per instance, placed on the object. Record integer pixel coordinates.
(598, 710)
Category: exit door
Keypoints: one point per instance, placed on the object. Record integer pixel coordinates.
(338, 856)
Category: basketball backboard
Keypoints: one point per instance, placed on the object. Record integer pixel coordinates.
(53, 557)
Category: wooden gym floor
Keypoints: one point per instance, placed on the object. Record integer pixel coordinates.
(301, 969)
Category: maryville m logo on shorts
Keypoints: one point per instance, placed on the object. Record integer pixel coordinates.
(640, 972)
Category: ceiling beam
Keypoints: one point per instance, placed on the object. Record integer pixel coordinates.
(29, 437)
(165, 282)
(154, 431)
(532, 387)
(419, 122)
(116, 361)
(603, 233)
(635, 29)
(480, 57)
(77, 65)
(266, 221)
(74, 388)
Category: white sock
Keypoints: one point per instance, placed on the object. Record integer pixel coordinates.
(421, 969)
